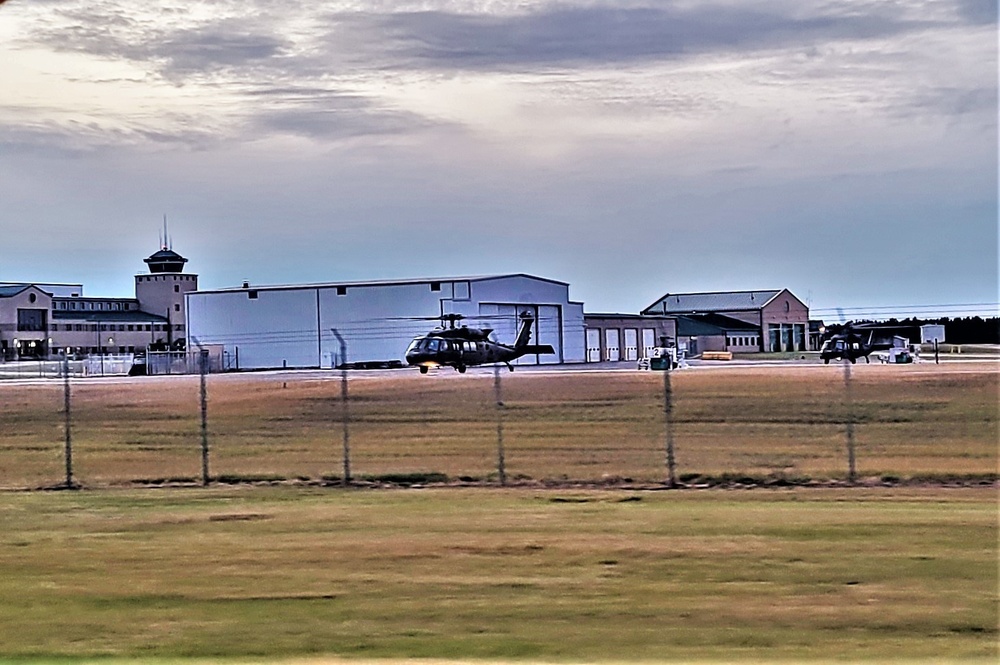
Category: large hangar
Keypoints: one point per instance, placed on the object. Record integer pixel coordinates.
(265, 327)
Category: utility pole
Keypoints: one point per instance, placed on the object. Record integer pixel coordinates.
(344, 413)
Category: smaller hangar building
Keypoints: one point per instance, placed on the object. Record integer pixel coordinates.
(266, 327)
(747, 321)
(627, 337)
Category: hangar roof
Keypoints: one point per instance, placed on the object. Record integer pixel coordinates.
(7, 291)
(133, 316)
(693, 325)
(384, 282)
(720, 301)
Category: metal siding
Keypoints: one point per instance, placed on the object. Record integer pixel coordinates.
(574, 346)
(374, 320)
(549, 331)
(519, 289)
(275, 329)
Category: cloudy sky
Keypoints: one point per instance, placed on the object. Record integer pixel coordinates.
(845, 150)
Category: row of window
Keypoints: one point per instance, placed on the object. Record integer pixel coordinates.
(165, 278)
(121, 327)
(786, 337)
(95, 306)
(743, 340)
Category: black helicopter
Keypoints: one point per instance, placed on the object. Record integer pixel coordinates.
(464, 347)
(849, 345)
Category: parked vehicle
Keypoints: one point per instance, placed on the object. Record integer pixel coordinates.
(895, 355)
(661, 358)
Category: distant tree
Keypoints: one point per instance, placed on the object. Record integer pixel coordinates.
(963, 330)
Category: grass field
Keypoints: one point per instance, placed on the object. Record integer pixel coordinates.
(514, 574)
(912, 421)
(538, 572)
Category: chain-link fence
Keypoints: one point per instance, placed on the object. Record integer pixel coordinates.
(773, 424)
(95, 365)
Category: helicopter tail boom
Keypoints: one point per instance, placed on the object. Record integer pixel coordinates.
(532, 349)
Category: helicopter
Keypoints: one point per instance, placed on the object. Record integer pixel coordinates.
(464, 347)
(849, 345)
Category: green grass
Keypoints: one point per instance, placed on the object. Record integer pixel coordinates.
(550, 575)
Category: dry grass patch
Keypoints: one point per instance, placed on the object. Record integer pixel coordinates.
(921, 420)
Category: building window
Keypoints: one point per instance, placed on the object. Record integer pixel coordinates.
(31, 320)
(177, 308)
(177, 288)
(435, 286)
(341, 290)
(252, 295)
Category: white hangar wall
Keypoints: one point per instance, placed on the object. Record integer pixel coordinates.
(292, 326)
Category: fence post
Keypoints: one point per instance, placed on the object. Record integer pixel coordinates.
(202, 371)
(852, 473)
(69, 434)
(498, 392)
(345, 415)
(668, 412)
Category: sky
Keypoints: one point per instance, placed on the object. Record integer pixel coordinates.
(844, 150)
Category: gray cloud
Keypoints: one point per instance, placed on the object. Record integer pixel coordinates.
(606, 34)
(559, 36)
(329, 114)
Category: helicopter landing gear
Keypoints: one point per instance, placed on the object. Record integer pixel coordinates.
(423, 369)
(509, 367)
(461, 369)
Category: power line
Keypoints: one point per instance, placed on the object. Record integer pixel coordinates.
(986, 309)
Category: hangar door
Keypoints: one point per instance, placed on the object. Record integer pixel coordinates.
(612, 345)
(648, 342)
(593, 345)
(547, 328)
(631, 344)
